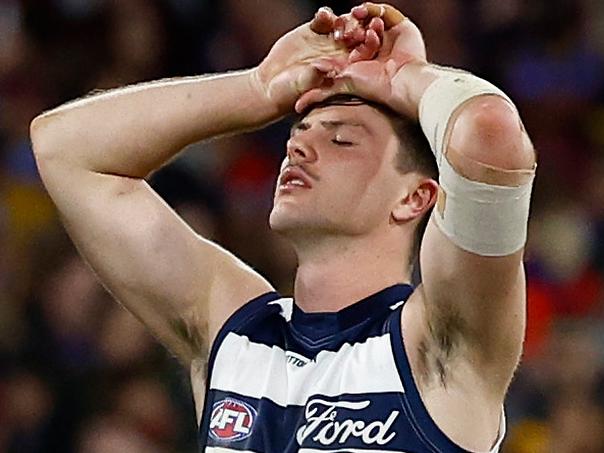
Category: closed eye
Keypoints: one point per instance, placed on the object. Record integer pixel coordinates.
(338, 142)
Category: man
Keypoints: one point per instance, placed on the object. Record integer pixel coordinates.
(361, 361)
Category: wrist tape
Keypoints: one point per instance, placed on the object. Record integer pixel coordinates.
(485, 219)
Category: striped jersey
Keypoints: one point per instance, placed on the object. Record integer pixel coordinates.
(282, 381)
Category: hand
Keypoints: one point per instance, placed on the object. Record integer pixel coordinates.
(402, 43)
(372, 80)
(400, 38)
(286, 72)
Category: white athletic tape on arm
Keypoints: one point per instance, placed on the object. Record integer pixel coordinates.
(482, 218)
(443, 97)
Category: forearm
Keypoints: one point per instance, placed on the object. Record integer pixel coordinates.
(132, 131)
(409, 85)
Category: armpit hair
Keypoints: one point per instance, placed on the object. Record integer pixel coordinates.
(189, 332)
(445, 334)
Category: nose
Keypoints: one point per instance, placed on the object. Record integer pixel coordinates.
(299, 151)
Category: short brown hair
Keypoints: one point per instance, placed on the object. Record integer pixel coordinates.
(414, 151)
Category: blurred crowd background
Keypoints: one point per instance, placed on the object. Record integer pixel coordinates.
(79, 374)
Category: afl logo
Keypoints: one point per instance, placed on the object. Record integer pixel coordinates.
(231, 420)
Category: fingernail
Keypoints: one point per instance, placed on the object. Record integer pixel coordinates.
(337, 34)
(359, 10)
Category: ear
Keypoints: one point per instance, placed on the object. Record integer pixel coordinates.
(420, 198)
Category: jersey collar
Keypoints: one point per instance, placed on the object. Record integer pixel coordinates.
(318, 325)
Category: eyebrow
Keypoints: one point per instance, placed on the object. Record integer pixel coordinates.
(329, 124)
(333, 124)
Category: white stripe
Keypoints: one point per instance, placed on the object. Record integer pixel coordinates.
(287, 306)
(258, 370)
(396, 305)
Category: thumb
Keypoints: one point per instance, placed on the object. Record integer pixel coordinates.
(330, 67)
(323, 22)
(311, 97)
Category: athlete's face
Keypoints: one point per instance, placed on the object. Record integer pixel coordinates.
(339, 175)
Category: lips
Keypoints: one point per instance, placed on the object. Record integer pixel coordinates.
(294, 177)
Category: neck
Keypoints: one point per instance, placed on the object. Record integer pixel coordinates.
(334, 273)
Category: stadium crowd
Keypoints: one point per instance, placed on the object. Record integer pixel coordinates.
(79, 374)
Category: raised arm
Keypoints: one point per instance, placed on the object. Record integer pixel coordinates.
(473, 292)
(93, 155)
(471, 255)
(474, 288)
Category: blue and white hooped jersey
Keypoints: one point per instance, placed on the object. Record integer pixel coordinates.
(284, 381)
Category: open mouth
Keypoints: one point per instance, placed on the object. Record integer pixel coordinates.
(293, 178)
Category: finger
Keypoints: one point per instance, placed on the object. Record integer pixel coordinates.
(389, 14)
(348, 35)
(354, 31)
(312, 97)
(330, 66)
(316, 95)
(327, 67)
(366, 51)
(323, 65)
(372, 43)
(357, 54)
(360, 12)
(323, 22)
(339, 27)
(377, 24)
(356, 36)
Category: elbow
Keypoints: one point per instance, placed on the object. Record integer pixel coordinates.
(40, 146)
(51, 139)
(40, 133)
(488, 130)
(48, 142)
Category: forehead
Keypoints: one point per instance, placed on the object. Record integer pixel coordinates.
(363, 115)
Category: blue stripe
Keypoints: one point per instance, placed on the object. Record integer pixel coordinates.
(432, 436)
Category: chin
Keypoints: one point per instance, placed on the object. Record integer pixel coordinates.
(286, 223)
(280, 221)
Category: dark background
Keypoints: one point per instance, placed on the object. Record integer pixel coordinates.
(79, 374)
